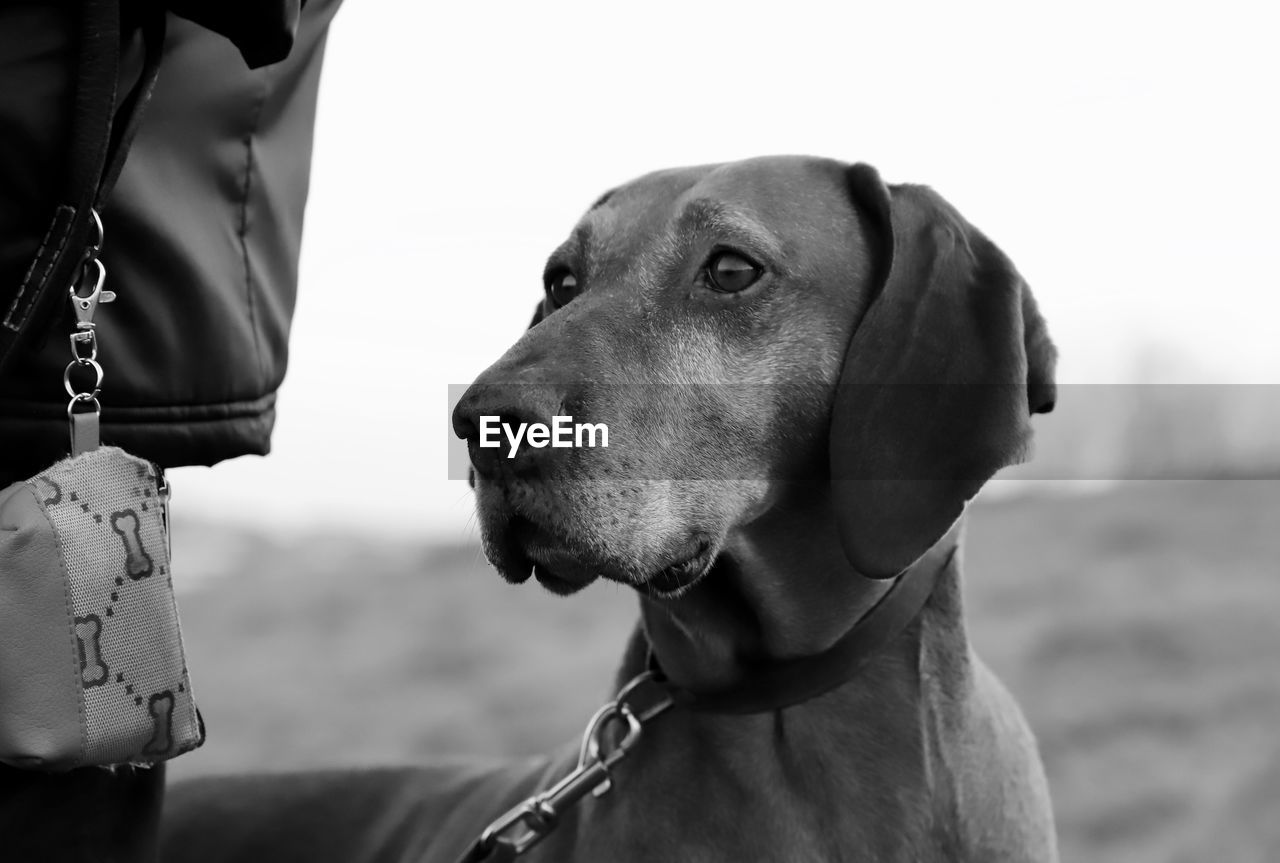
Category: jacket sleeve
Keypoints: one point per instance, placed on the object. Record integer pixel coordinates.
(202, 239)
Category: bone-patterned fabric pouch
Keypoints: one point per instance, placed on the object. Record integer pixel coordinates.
(92, 668)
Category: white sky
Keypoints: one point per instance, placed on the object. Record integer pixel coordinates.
(1122, 154)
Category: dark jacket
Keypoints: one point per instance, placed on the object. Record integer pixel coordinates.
(202, 236)
(202, 232)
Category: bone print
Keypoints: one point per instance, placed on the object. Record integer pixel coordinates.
(93, 670)
(47, 490)
(137, 562)
(161, 708)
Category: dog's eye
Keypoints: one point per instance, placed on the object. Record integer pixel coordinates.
(730, 272)
(563, 287)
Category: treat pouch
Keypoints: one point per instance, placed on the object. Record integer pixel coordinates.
(92, 668)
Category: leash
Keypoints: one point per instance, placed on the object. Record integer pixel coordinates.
(529, 822)
(767, 687)
(103, 125)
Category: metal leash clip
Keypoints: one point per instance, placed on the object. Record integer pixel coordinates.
(529, 822)
(84, 424)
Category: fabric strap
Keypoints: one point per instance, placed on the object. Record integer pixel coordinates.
(103, 126)
(783, 683)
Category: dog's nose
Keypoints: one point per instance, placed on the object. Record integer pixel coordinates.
(489, 414)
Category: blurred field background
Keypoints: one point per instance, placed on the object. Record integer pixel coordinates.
(1136, 625)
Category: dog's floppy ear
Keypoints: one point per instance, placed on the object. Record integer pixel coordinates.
(939, 380)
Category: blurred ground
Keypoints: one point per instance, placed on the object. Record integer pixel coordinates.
(1137, 628)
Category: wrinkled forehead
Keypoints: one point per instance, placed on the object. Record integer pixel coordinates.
(775, 203)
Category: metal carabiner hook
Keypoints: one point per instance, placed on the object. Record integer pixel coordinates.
(87, 305)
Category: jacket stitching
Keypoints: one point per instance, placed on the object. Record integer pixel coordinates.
(20, 411)
(39, 269)
(242, 229)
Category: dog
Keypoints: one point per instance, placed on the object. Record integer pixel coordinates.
(806, 374)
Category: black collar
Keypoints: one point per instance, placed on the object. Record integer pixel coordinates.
(775, 684)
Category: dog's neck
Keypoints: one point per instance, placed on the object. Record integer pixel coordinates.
(780, 589)
(798, 777)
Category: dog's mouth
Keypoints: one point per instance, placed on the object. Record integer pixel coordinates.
(559, 571)
(675, 579)
(524, 548)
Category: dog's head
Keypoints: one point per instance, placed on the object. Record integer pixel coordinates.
(742, 328)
